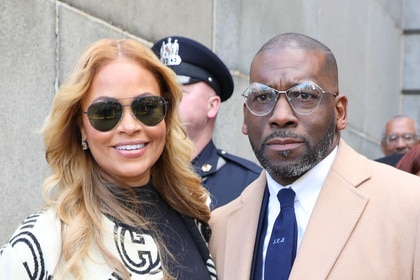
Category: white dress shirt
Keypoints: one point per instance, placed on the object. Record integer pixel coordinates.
(307, 189)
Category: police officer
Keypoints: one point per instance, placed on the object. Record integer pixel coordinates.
(206, 82)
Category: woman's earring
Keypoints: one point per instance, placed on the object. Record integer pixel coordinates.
(85, 145)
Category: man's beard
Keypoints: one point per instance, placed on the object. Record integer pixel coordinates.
(313, 155)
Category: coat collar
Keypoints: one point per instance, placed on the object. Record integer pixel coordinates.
(336, 213)
(241, 229)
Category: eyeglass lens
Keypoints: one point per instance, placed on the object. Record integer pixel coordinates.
(406, 138)
(105, 115)
(303, 98)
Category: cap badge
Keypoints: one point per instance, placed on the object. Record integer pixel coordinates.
(169, 53)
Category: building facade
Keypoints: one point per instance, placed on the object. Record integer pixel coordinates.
(376, 42)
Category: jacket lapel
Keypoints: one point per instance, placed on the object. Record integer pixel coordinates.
(241, 230)
(336, 213)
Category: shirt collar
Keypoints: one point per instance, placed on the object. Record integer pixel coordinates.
(308, 186)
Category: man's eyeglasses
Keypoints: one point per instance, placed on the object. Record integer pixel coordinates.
(105, 115)
(303, 98)
(407, 138)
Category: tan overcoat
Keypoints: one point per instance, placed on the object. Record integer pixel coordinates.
(365, 225)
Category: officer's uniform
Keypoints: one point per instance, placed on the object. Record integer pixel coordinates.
(390, 160)
(224, 175)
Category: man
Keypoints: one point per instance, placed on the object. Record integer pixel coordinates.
(400, 135)
(206, 82)
(354, 218)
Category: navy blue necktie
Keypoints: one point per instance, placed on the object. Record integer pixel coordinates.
(281, 250)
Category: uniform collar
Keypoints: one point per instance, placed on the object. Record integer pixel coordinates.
(205, 162)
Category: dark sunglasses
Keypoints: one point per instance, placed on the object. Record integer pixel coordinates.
(105, 115)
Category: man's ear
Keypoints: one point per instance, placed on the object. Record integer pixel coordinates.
(383, 147)
(244, 126)
(341, 112)
(213, 106)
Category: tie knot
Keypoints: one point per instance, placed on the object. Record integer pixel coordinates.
(286, 198)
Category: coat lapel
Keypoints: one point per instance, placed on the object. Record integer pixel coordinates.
(241, 230)
(336, 213)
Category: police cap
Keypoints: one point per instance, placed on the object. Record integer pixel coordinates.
(194, 62)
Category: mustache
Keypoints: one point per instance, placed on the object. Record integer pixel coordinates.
(283, 134)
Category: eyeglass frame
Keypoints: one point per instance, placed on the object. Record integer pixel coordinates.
(163, 104)
(412, 137)
(278, 92)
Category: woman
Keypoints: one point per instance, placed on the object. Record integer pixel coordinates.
(410, 162)
(122, 201)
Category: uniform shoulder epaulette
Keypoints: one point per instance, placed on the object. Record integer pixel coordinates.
(240, 161)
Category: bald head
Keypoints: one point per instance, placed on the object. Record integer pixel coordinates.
(296, 41)
(400, 135)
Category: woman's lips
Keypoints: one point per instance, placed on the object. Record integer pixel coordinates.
(131, 150)
(129, 147)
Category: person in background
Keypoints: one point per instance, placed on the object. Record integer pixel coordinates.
(400, 135)
(319, 210)
(206, 82)
(122, 201)
(410, 162)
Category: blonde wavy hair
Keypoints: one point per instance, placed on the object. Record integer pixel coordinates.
(81, 191)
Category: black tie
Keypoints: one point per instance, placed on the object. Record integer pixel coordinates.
(281, 250)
